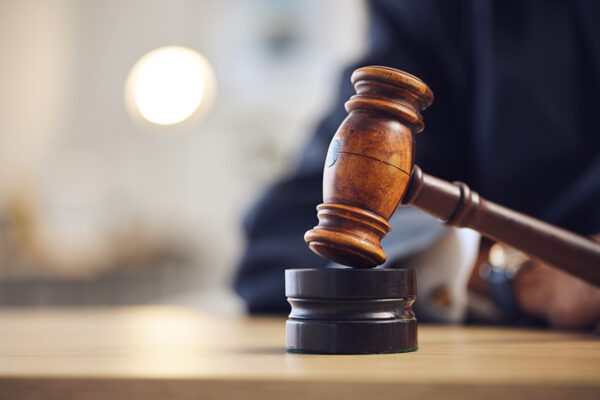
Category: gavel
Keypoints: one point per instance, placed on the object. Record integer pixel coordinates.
(370, 170)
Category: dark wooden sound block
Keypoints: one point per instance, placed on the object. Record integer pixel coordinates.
(351, 311)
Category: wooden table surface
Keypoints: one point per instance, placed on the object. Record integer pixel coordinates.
(173, 353)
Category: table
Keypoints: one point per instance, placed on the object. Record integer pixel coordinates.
(175, 353)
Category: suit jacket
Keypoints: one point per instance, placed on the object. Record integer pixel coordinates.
(517, 91)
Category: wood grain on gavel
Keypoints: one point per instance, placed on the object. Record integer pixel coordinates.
(370, 170)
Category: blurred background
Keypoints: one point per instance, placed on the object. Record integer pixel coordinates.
(134, 135)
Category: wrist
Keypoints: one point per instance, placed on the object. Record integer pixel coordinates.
(528, 296)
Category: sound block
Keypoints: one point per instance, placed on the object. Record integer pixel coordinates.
(351, 311)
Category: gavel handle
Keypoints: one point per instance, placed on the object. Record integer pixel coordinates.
(457, 205)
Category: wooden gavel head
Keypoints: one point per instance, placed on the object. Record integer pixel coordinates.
(368, 166)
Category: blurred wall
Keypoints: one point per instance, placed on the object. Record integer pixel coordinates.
(86, 183)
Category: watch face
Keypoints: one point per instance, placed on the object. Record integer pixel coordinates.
(497, 256)
(506, 258)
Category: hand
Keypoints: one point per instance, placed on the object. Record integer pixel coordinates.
(563, 300)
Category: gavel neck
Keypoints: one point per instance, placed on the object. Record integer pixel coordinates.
(435, 196)
(456, 204)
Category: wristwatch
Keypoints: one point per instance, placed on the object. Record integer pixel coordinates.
(499, 271)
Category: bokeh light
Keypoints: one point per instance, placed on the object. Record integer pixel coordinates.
(170, 84)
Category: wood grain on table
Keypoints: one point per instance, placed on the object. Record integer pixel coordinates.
(174, 353)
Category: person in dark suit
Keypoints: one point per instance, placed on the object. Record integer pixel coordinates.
(516, 85)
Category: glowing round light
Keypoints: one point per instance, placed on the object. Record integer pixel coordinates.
(169, 84)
